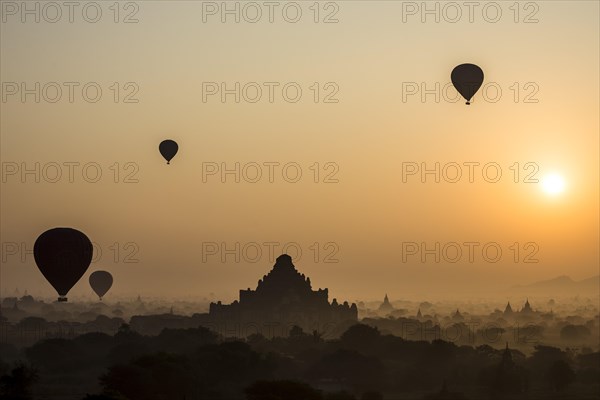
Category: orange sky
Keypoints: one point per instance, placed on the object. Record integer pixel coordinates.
(171, 216)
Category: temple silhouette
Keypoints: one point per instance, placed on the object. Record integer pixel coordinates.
(386, 307)
(283, 299)
(525, 312)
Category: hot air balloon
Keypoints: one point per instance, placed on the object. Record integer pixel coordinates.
(168, 148)
(101, 281)
(63, 255)
(467, 79)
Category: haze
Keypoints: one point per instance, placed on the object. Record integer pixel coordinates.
(372, 57)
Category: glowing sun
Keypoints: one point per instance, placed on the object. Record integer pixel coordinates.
(553, 184)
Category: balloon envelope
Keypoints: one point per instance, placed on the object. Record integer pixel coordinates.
(467, 79)
(168, 148)
(101, 281)
(63, 255)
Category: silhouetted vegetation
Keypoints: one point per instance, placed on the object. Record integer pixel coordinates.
(16, 385)
(281, 390)
(363, 364)
(560, 375)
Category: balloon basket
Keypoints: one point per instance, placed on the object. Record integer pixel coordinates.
(62, 299)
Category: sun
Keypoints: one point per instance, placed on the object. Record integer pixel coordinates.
(553, 184)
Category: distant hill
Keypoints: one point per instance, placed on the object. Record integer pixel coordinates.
(562, 285)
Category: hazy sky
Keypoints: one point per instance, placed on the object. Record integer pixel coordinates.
(539, 105)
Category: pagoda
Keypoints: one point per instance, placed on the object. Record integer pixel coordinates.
(282, 299)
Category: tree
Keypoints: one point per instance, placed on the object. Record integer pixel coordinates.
(360, 336)
(371, 396)
(343, 395)
(542, 357)
(350, 367)
(151, 377)
(560, 375)
(17, 385)
(574, 332)
(101, 397)
(56, 355)
(184, 340)
(296, 332)
(589, 368)
(281, 390)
